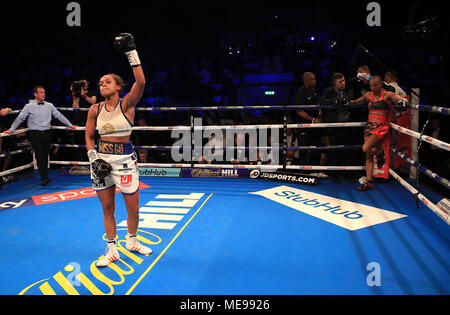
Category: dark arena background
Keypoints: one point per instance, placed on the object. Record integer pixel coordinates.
(218, 233)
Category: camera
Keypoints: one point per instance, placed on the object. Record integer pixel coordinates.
(423, 31)
(77, 86)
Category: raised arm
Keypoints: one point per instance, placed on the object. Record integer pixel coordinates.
(135, 94)
(125, 43)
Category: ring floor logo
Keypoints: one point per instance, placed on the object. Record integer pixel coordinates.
(346, 214)
(53, 197)
(160, 225)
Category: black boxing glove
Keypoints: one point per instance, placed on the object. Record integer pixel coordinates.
(402, 105)
(124, 42)
(99, 167)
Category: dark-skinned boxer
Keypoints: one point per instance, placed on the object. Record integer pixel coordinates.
(114, 162)
(380, 103)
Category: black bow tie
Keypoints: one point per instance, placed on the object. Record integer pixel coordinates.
(41, 103)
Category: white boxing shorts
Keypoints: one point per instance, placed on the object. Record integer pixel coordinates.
(125, 173)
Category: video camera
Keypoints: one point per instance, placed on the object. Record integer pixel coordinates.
(77, 86)
(423, 31)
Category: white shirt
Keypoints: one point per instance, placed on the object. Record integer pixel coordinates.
(398, 89)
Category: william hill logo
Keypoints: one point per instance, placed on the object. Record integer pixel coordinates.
(214, 173)
(346, 214)
(162, 216)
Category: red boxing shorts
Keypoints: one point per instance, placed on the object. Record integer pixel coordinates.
(379, 130)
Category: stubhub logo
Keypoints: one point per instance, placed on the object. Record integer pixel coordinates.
(324, 206)
(346, 214)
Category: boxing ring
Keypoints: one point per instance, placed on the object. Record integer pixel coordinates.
(220, 229)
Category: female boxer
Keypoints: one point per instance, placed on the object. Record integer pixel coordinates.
(114, 161)
(379, 103)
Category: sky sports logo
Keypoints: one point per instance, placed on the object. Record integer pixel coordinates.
(53, 197)
(346, 214)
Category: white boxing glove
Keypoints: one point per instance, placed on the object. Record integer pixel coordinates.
(364, 76)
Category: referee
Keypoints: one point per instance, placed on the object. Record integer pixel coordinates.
(38, 114)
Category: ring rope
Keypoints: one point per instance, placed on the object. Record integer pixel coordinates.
(432, 109)
(222, 108)
(428, 108)
(228, 127)
(439, 212)
(233, 166)
(168, 147)
(441, 180)
(14, 133)
(431, 140)
(14, 152)
(442, 214)
(17, 169)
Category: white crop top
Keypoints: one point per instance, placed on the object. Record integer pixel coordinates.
(113, 123)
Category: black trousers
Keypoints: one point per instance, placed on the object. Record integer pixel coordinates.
(40, 141)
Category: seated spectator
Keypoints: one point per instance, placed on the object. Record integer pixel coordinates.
(292, 156)
(143, 156)
(211, 150)
(241, 153)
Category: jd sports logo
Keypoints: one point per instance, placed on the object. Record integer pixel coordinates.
(346, 214)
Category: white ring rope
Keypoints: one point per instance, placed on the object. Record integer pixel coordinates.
(14, 133)
(431, 140)
(14, 152)
(228, 127)
(17, 169)
(428, 108)
(436, 142)
(233, 166)
(440, 213)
